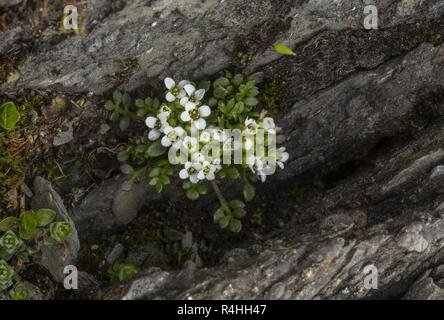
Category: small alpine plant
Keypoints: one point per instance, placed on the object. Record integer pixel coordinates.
(20, 241)
(203, 133)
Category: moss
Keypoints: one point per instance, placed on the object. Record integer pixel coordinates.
(427, 31)
(274, 96)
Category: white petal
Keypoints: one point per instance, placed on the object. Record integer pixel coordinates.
(183, 101)
(200, 94)
(168, 129)
(177, 144)
(210, 176)
(179, 131)
(200, 124)
(194, 178)
(183, 83)
(153, 135)
(189, 106)
(197, 166)
(189, 88)
(188, 165)
(280, 164)
(263, 178)
(201, 175)
(181, 94)
(170, 97)
(185, 116)
(284, 156)
(165, 141)
(204, 111)
(169, 83)
(183, 174)
(151, 122)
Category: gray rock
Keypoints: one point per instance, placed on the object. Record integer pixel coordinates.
(64, 137)
(55, 257)
(150, 255)
(116, 253)
(425, 289)
(437, 171)
(173, 235)
(193, 38)
(111, 205)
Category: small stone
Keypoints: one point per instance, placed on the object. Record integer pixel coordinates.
(104, 128)
(187, 240)
(438, 171)
(64, 137)
(173, 235)
(116, 253)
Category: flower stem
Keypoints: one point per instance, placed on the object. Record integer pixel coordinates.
(221, 198)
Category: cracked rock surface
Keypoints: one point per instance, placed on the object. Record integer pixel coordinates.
(366, 108)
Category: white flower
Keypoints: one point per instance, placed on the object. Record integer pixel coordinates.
(207, 171)
(190, 171)
(261, 168)
(157, 125)
(190, 145)
(281, 157)
(231, 144)
(248, 143)
(197, 157)
(165, 111)
(205, 137)
(251, 126)
(217, 164)
(268, 125)
(193, 96)
(175, 91)
(196, 115)
(173, 136)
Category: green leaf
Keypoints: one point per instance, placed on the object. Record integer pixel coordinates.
(186, 185)
(20, 292)
(192, 194)
(140, 103)
(60, 230)
(201, 189)
(9, 115)
(251, 101)
(239, 212)
(126, 99)
(224, 222)
(249, 192)
(283, 49)
(154, 173)
(44, 217)
(28, 226)
(236, 204)
(220, 92)
(219, 214)
(153, 181)
(222, 81)
(122, 156)
(8, 223)
(233, 173)
(164, 180)
(109, 105)
(117, 96)
(156, 149)
(235, 225)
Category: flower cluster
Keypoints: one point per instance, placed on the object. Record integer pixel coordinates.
(182, 124)
(210, 131)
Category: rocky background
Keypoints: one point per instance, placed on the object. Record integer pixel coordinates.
(363, 115)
